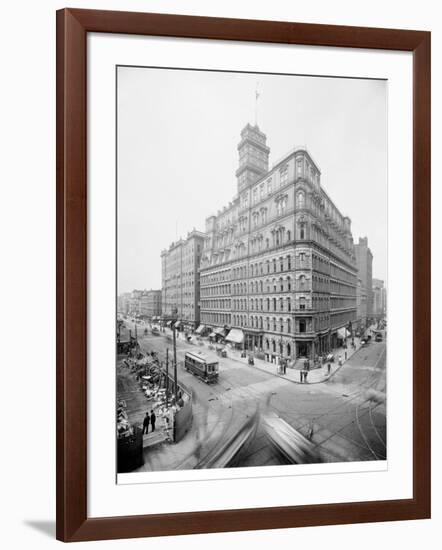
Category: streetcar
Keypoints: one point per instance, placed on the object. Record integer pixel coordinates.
(200, 366)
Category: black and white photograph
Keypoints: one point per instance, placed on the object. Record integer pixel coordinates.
(251, 299)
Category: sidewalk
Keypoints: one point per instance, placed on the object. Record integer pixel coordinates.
(293, 374)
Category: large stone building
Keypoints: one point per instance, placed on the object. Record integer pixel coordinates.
(364, 263)
(123, 303)
(150, 303)
(361, 305)
(379, 298)
(180, 279)
(278, 265)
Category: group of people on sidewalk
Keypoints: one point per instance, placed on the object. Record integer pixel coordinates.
(149, 419)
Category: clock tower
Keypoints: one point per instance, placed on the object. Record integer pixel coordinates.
(253, 156)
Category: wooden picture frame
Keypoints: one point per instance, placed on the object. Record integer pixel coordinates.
(73, 25)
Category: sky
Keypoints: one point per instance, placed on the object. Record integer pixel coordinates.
(177, 139)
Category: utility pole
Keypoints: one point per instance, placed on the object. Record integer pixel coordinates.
(175, 375)
(167, 377)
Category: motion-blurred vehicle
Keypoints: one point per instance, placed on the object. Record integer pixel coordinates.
(330, 358)
(295, 448)
(227, 454)
(155, 331)
(378, 337)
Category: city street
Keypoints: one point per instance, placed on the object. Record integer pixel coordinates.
(344, 417)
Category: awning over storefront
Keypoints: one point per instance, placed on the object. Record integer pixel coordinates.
(212, 335)
(178, 324)
(236, 335)
(343, 333)
(221, 331)
(200, 329)
(169, 323)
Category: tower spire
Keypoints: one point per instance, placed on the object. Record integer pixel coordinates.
(256, 103)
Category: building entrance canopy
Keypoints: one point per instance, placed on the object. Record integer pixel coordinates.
(200, 329)
(236, 335)
(343, 333)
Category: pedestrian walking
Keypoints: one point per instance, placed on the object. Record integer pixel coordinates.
(329, 369)
(152, 420)
(340, 361)
(301, 376)
(146, 423)
(346, 355)
(305, 376)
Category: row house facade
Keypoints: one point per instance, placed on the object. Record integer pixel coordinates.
(278, 263)
(180, 288)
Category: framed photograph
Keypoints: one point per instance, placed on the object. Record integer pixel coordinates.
(243, 274)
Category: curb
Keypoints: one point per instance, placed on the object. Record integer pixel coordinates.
(325, 379)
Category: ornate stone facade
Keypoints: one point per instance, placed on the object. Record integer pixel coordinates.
(279, 262)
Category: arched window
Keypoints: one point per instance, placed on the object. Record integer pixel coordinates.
(302, 231)
(289, 283)
(302, 281)
(289, 304)
(288, 236)
(281, 284)
(300, 199)
(289, 329)
(274, 304)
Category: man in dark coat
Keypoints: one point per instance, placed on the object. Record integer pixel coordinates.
(152, 420)
(146, 423)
